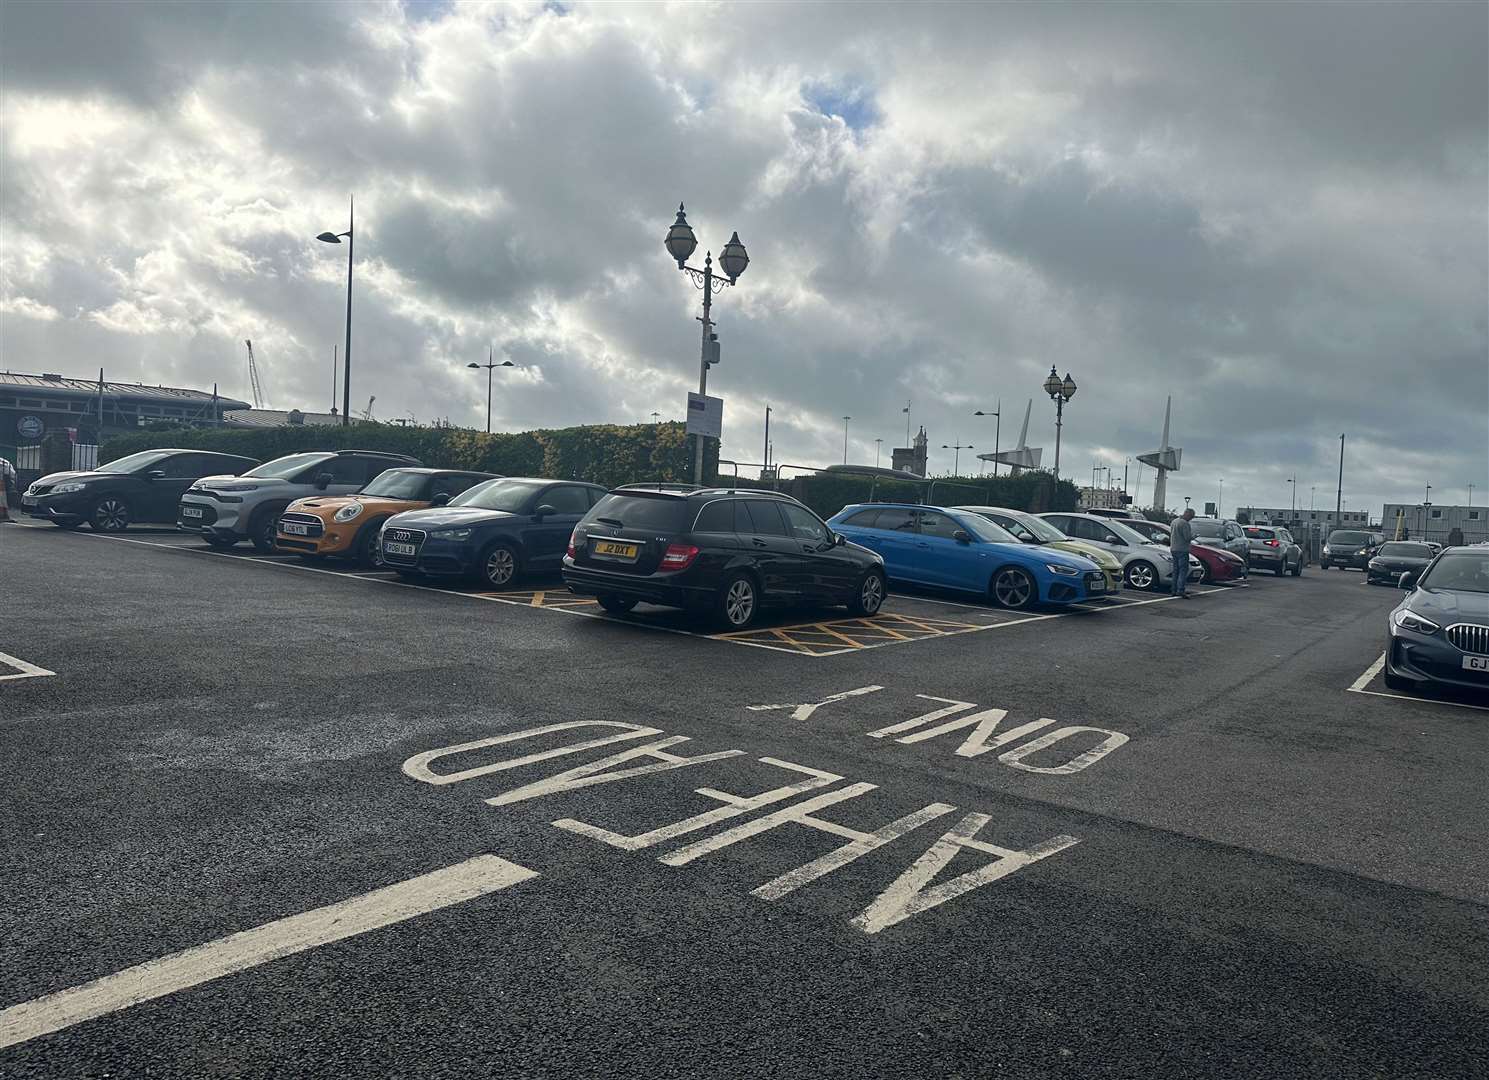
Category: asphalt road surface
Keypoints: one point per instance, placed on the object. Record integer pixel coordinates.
(271, 820)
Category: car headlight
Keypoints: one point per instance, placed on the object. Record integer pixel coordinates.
(450, 534)
(63, 489)
(238, 487)
(1061, 569)
(348, 512)
(1326, 549)
(1410, 620)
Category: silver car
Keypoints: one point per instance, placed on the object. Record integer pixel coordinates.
(1145, 565)
(1223, 533)
(1273, 548)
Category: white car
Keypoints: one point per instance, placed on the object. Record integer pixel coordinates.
(1145, 565)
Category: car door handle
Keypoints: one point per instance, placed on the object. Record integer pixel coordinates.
(759, 542)
(922, 544)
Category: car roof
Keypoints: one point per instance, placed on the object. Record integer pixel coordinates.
(543, 480)
(426, 470)
(367, 453)
(664, 490)
(988, 509)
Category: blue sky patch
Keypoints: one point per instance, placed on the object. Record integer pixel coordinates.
(853, 103)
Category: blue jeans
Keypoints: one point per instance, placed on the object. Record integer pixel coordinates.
(1181, 572)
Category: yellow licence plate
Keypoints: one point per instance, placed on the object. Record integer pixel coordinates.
(610, 547)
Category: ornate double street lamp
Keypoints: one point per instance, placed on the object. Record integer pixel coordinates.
(335, 238)
(490, 365)
(956, 467)
(681, 243)
(1059, 392)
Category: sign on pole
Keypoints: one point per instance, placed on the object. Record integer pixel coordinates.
(705, 416)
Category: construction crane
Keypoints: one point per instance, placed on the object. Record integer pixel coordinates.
(253, 378)
(367, 412)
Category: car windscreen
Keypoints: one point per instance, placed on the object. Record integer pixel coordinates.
(987, 531)
(135, 462)
(1346, 537)
(287, 466)
(1406, 551)
(1460, 571)
(1127, 533)
(397, 484)
(665, 513)
(1040, 529)
(1151, 529)
(508, 495)
(1207, 528)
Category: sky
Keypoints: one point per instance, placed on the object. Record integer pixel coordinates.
(1276, 213)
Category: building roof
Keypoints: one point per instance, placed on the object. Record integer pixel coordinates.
(273, 418)
(57, 384)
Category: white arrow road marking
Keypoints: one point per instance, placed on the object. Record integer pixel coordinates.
(805, 710)
(237, 952)
(25, 670)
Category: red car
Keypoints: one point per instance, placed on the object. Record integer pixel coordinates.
(1219, 565)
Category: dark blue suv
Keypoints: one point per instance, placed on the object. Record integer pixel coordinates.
(492, 533)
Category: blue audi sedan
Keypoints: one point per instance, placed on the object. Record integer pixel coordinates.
(492, 534)
(952, 549)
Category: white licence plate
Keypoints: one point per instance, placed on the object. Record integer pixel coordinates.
(294, 528)
(191, 511)
(393, 548)
(1476, 663)
(1096, 587)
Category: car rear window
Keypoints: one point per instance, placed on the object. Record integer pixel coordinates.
(1260, 534)
(1349, 538)
(663, 513)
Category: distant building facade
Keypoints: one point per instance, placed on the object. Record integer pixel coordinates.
(1349, 519)
(1428, 521)
(914, 458)
(1100, 498)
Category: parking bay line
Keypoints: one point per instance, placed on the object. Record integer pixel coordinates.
(1358, 687)
(468, 880)
(23, 670)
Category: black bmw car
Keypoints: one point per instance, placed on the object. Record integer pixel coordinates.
(721, 551)
(1440, 632)
(1396, 558)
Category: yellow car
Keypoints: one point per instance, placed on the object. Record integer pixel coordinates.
(1030, 529)
(347, 525)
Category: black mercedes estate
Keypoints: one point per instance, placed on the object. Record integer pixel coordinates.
(728, 552)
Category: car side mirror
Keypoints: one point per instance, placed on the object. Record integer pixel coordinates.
(839, 540)
(1407, 580)
(544, 511)
(155, 474)
(961, 536)
(323, 480)
(1110, 539)
(440, 499)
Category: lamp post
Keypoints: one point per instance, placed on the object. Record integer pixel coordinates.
(491, 365)
(335, 238)
(1059, 392)
(845, 438)
(1293, 482)
(956, 468)
(997, 414)
(879, 445)
(733, 259)
(1220, 499)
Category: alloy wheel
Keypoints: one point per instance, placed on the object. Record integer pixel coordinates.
(372, 551)
(871, 596)
(739, 602)
(111, 515)
(501, 566)
(1012, 588)
(1140, 576)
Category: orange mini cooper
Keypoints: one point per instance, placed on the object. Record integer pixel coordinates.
(347, 525)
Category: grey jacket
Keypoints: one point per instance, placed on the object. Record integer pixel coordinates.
(1181, 535)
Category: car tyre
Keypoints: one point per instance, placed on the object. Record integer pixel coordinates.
(1014, 589)
(1205, 576)
(870, 595)
(1141, 575)
(367, 552)
(263, 527)
(499, 566)
(738, 602)
(1298, 570)
(110, 514)
(616, 605)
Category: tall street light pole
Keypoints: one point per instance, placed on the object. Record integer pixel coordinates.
(1060, 392)
(1293, 483)
(879, 445)
(335, 238)
(766, 449)
(845, 438)
(681, 243)
(490, 365)
(997, 414)
(1339, 493)
(956, 467)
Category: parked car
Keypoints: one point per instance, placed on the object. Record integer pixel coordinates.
(1224, 533)
(1217, 564)
(1440, 632)
(955, 549)
(720, 551)
(1273, 548)
(1145, 565)
(228, 509)
(1029, 529)
(1348, 548)
(143, 487)
(493, 533)
(1397, 557)
(348, 525)
(1108, 511)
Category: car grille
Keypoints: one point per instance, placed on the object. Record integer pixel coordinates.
(1096, 581)
(1470, 637)
(315, 525)
(403, 536)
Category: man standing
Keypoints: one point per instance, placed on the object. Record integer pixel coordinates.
(1181, 535)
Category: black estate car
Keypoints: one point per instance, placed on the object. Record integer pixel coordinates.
(1440, 632)
(715, 550)
(141, 487)
(1396, 558)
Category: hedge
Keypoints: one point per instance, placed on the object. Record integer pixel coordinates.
(606, 454)
(827, 493)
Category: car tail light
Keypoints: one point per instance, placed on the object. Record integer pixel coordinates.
(678, 557)
(573, 538)
(1271, 543)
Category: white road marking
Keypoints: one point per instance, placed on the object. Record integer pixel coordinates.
(417, 767)
(1370, 673)
(23, 669)
(456, 884)
(594, 773)
(804, 711)
(1358, 687)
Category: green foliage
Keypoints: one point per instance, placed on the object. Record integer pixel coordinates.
(602, 454)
